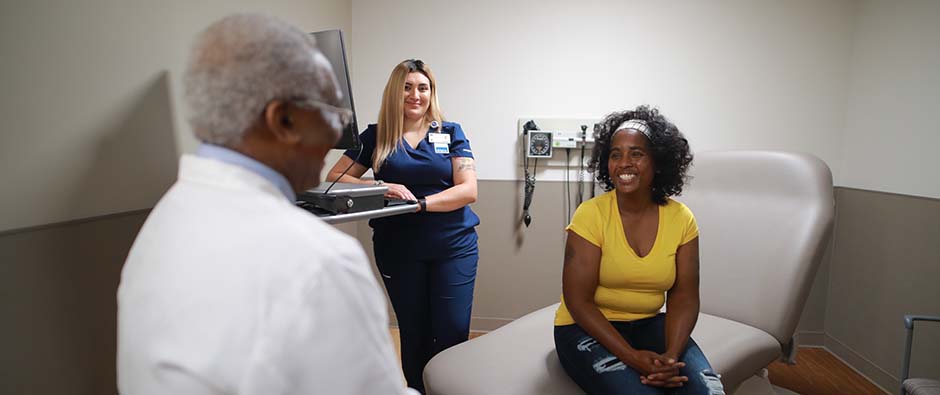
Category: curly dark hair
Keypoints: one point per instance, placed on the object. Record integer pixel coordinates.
(670, 151)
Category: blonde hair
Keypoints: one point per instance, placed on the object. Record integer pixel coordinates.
(391, 116)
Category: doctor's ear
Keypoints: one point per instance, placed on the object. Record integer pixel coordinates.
(278, 120)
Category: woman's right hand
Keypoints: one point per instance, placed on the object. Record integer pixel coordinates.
(670, 379)
(398, 191)
(648, 363)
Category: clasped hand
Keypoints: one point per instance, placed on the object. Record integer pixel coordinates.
(657, 370)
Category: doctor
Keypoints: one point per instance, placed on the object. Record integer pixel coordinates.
(428, 260)
(229, 288)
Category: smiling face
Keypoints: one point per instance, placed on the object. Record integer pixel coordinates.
(417, 96)
(630, 163)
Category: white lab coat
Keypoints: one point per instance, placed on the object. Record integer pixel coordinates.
(231, 289)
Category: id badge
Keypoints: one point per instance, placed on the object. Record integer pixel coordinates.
(441, 148)
(439, 138)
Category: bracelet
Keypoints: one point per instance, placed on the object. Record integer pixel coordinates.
(423, 203)
(379, 182)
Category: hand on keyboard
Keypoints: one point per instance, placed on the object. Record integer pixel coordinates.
(389, 202)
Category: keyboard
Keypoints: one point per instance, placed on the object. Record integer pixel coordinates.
(389, 202)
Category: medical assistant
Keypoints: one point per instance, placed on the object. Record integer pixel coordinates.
(229, 288)
(428, 260)
(424, 172)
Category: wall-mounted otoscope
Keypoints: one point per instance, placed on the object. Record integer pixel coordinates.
(581, 165)
(529, 177)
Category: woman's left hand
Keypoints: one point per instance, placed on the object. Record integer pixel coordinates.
(668, 379)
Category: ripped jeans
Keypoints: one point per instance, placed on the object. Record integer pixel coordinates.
(597, 371)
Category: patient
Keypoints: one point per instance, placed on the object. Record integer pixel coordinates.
(629, 251)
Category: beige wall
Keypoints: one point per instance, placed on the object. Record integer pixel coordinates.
(91, 102)
(811, 330)
(57, 300)
(886, 260)
(885, 263)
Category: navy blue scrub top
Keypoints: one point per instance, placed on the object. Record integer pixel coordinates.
(424, 173)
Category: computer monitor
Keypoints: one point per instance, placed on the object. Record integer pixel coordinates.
(330, 43)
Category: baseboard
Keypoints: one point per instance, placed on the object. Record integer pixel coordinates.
(861, 365)
(810, 339)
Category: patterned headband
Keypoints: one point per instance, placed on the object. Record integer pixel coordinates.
(636, 124)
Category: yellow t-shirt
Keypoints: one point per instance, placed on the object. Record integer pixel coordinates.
(630, 287)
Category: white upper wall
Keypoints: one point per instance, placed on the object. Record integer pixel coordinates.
(893, 118)
(91, 123)
(730, 74)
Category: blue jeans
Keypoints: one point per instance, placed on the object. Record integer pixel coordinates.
(598, 371)
(432, 293)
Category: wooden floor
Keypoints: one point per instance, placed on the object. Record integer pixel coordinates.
(817, 372)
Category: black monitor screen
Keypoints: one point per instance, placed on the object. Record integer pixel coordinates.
(330, 43)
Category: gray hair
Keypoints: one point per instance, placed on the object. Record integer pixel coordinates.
(241, 63)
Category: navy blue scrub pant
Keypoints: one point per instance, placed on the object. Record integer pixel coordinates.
(431, 290)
